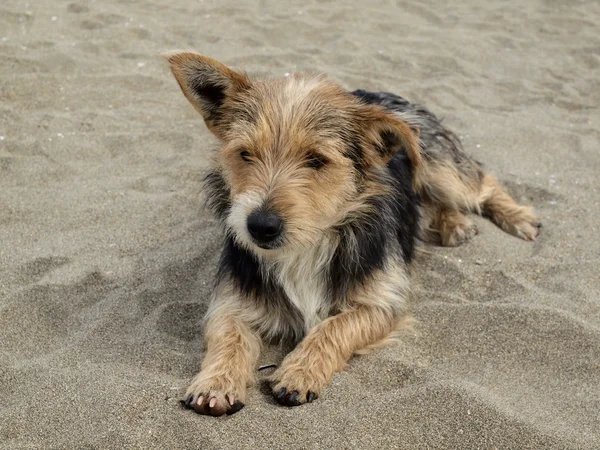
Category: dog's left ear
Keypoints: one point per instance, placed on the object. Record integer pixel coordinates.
(207, 84)
(390, 134)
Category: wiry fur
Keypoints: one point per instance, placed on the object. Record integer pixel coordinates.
(451, 183)
(353, 178)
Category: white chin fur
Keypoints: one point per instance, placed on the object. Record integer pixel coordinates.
(241, 207)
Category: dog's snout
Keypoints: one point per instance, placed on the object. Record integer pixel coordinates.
(264, 226)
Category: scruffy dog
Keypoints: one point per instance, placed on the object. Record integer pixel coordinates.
(322, 194)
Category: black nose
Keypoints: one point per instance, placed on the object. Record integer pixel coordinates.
(264, 226)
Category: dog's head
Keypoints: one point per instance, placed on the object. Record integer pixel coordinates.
(298, 155)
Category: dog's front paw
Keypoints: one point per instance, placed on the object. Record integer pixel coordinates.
(214, 395)
(293, 385)
(293, 397)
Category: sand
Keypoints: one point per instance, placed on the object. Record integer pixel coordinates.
(106, 258)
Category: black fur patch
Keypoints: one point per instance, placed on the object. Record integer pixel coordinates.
(217, 194)
(391, 226)
(242, 267)
(439, 145)
(391, 143)
(354, 153)
(376, 97)
(362, 250)
(406, 204)
(212, 94)
(212, 97)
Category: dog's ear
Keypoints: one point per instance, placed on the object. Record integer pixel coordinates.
(207, 84)
(388, 134)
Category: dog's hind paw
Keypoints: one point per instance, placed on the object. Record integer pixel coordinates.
(458, 235)
(527, 230)
(455, 228)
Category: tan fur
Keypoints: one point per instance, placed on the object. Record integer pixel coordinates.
(405, 325)
(327, 348)
(454, 227)
(444, 186)
(448, 196)
(229, 364)
(370, 320)
(505, 212)
(446, 227)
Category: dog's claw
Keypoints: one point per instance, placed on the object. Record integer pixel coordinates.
(212, 406)
(235, 408)
(288, 398)
(310, 397)
(187, 401)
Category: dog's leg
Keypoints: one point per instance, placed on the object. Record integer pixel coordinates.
(449, 194)
(310, 366)
(232, 350)
(505, 212)
(374, 316)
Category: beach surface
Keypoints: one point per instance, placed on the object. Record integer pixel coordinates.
(107, 258)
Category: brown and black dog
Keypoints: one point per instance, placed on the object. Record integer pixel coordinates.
(322, 194)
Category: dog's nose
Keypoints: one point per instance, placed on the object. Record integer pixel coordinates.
(264, 226)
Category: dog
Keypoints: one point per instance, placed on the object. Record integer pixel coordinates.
(323, 194)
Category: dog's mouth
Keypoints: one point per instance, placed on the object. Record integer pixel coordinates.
(273, 245)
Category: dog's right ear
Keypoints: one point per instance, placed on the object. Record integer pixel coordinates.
(206, 83)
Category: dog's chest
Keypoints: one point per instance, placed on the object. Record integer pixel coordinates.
(302, 279)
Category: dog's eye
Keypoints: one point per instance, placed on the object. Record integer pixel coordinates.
(245, 156)
(315, 161)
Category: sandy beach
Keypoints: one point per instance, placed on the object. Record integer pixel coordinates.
(107, 258)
